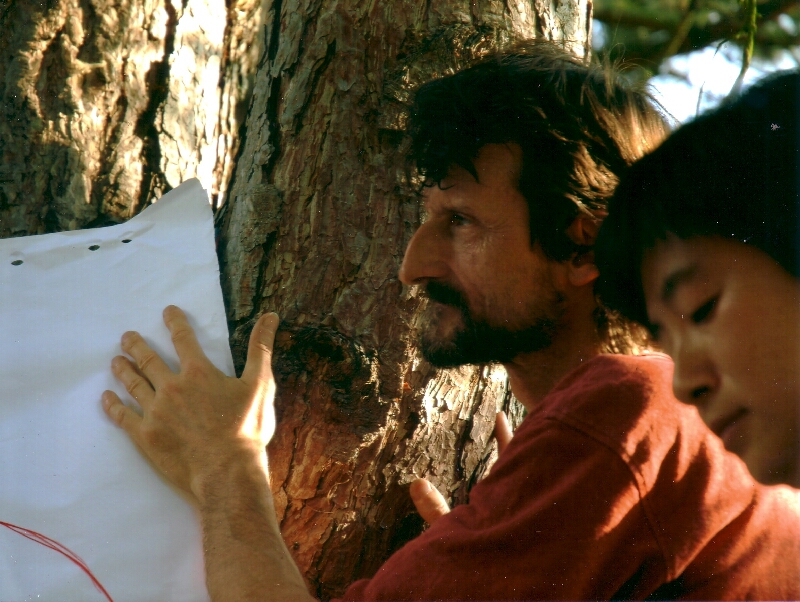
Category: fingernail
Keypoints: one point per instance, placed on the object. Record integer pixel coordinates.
(424, 481)
(105, 398)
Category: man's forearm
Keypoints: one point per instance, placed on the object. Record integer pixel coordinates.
(246, 558)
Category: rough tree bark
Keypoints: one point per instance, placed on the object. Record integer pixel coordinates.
(315, 228)
(106, 104)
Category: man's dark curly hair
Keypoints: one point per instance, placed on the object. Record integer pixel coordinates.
(578, 126)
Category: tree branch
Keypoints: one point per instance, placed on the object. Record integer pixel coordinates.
(748, 30)
(682, 32)
(625, 18)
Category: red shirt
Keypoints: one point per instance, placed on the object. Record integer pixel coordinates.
(610, 488)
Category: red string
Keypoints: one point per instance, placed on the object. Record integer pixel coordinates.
(63, 550)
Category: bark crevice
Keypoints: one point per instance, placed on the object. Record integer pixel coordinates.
(154, 180)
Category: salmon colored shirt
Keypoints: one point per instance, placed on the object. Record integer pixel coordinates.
(611, 488)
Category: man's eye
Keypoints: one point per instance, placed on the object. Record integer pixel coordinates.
(456, 219)
(704, 311)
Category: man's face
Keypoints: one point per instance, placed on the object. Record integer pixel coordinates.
(729, 316)
(491, 294)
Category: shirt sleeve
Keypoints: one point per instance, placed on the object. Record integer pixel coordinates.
(560, 516)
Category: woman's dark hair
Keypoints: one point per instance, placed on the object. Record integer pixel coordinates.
(733, 173)
(578, 125)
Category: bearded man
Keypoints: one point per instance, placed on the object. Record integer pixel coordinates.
(609, 489)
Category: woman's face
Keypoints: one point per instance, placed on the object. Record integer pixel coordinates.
(728, 315)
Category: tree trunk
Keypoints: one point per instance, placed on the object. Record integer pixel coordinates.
(107, 104)
(315, 228)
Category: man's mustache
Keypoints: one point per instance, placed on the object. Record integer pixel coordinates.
(445, 294)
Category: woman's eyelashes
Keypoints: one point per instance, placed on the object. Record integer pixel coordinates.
(705, 311)
(700, 315)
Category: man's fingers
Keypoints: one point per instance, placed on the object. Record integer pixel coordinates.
(183, 337)
(430, 504)
(120, 414)
(138, 386)
(147, 360)
(502, 431)
(259, 351)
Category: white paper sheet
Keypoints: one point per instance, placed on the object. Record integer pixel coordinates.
(66, 471)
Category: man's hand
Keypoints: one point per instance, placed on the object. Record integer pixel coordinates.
(502, 431)
(196, 421)
(429, 502)
(207, 433)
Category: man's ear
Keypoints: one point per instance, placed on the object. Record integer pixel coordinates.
(583, 231)
(581, 269)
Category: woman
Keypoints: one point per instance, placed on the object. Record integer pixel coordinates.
(701, 246)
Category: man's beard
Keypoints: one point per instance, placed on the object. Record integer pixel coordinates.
(476, 341)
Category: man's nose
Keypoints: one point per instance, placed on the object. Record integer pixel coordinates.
(426, 256)
(696, 377)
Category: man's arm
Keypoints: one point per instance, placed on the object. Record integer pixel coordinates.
(207, 434)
